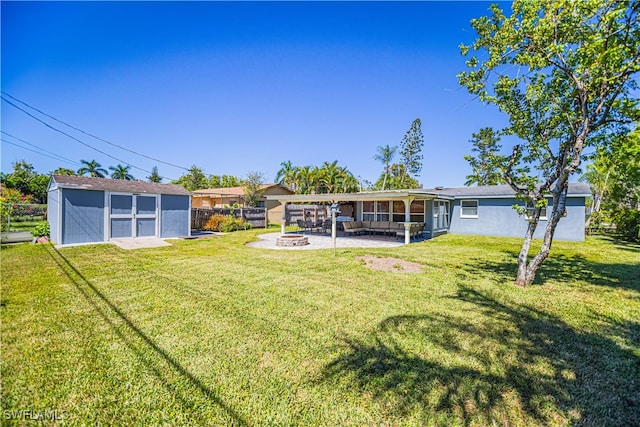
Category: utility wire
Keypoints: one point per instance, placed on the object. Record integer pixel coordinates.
(49, 154)
(89, 134)
(74, 138)
(4, 141)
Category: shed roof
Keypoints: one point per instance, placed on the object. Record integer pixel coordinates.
(116, 185)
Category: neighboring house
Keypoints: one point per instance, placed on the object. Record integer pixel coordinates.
(92, 210)
(225, 197)
(486, 210)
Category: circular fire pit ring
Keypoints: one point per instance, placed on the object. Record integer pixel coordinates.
(292, 240)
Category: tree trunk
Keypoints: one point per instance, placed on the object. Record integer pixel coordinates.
(527, 271)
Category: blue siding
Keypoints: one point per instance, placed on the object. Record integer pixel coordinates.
(121, 227)
(145, 227)
(496, 217)
(82, 216)
(174, 216)
(53, 202)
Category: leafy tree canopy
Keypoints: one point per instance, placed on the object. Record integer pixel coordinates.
(563, 72)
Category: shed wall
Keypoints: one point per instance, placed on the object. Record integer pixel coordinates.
(82, 216)
(175, 211)
(53, 205)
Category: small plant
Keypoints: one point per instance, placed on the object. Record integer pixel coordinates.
(41, 230)
(226, 223)
(214, 223)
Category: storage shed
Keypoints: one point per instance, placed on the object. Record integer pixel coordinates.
(94, 210)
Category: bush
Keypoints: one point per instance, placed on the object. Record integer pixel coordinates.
(628, 224)
(41, 230)
(226, 223)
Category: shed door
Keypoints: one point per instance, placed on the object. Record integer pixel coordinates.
(133, 215)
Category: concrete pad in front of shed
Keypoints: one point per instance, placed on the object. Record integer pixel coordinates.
(140, 242)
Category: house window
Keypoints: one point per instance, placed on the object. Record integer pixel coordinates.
(531, 209)
(382, 211)
(417, 211)
(398, 210)
(468, 209)
(368, 211)
(375, 211)
(440, 214)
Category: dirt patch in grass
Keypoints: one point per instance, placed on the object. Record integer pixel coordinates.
(389, 264)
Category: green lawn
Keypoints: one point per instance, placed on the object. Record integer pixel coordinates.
(211, 332)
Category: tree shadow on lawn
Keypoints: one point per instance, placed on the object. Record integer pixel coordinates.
(166, 368)
(500, 364)
(562, 268)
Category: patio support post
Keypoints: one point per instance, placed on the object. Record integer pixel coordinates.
(283, 218)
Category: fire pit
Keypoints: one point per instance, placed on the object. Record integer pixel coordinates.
(292, 240)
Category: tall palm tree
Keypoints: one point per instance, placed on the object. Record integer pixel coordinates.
(93, 168)
(121, 172)
(329, 176)
(385, 156)
(287, 174)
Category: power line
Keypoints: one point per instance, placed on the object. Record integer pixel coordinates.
(48, 153)
(89, 134)
(74, 138)
(4, 141)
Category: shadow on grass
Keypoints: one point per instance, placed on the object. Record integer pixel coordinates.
(167, 369)
(492, 364)
(562, 268)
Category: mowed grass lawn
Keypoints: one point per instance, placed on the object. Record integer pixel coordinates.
(212, 332)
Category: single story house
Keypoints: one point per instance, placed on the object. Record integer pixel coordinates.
(93, 210)
(482, 210)
(224, 197)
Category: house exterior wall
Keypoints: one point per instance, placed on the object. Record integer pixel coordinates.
(496, 217)
(82, 218)
(175, 212)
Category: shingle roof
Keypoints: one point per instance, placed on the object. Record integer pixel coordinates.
(575, 189)
(233, 191)
(119, 185)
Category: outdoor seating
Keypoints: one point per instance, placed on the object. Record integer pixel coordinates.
(415, 231)
(302, 226)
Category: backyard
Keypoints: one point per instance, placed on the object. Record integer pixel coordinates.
(211, 332)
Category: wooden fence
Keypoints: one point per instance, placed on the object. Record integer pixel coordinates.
(257, 217)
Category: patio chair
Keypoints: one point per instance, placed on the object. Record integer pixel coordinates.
(302, 226)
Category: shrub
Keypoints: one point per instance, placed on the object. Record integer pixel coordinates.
(628, 224)
(213, 223)
(226, 223)
(41, 230)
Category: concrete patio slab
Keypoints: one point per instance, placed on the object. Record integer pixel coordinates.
(320, 241)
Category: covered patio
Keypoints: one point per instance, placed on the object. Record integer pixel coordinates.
(405, 208)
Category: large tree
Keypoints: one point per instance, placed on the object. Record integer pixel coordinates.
(411, 151)
(385, 155)
(287, 174)
(155, 176)
(92, 168)
(27, 181)
(563, 73)
(487, 165)
(194, 179)
(253, 190)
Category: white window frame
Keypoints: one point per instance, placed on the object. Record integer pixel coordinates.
(462, 214)
(529, 207)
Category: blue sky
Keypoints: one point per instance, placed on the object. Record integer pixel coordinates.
(239, 87)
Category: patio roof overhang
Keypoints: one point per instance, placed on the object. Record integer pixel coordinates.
(361, 196)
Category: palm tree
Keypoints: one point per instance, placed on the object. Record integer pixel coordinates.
(93, 168)
(121, 172)
(385, 156)
(287, 175)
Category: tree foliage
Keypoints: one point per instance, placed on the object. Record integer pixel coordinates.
(155, 176)
(121, 172)
(563, 71)
(193, 180)
(330, 177)
(487, 165)
(92, 168)
(27, 181)
(253, 191)
(411, 152)
(385, 155)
